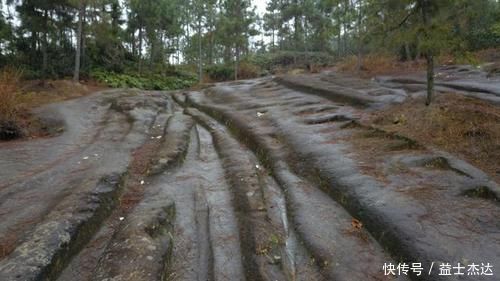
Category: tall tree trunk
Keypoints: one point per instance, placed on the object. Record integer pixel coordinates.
(200, 58)
(339, 37)
(273, 36)
(237, 63)
(211, 48)
(344, 27)
(45, 56)
(178, 50)
(81, 14)
(152, 56)
(140, 49)
(133, 44)
(360, 39)
(429, 56)
(83, 56)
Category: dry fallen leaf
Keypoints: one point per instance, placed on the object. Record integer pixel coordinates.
(356, 224)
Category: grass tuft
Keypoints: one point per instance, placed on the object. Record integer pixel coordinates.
(9, 109)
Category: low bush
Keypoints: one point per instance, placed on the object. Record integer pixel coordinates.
(145, 82)
(220, 72)
(248, 70)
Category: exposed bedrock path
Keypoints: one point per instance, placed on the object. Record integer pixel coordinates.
(242, 181)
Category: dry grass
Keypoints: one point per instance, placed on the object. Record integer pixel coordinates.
(35, 93)
(379, 64)
(9, 106)
(460, 125)
(9, 86)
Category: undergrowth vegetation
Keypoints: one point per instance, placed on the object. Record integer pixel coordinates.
(277, 62)
(262, 64)
(9, 109)
(146, 81)
(222, 72)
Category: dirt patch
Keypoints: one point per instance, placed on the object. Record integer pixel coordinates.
(375, 65)
(35, 93)
(372, 147)
(138, 172)
(460, 125)
(488, 55)
(16, 119)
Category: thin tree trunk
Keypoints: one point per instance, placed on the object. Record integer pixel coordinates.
(83, 54)
(344, 26)
(237, 63)
(140, 49)
(200, 58)
(429, 57)
(211, 49)
(273, 37)
(430, 77)
(407, 52)
(339, 38)
(81, 14)
(178, 50)
(360, 39)
(418, 52)
(133, 45)
(153, 54)
(45, 47)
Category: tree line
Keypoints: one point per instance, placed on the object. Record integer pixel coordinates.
(58, 38)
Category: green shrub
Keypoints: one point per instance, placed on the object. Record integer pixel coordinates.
(220, 72)
(145, 82)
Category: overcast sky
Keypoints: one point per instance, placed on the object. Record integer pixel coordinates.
(261, 6)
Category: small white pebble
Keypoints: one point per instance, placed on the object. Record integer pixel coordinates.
(257, 166)
(85, 158)
(142, 182)
(122, 218)
(158, 137)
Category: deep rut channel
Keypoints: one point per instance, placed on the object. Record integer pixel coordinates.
(241, 181)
